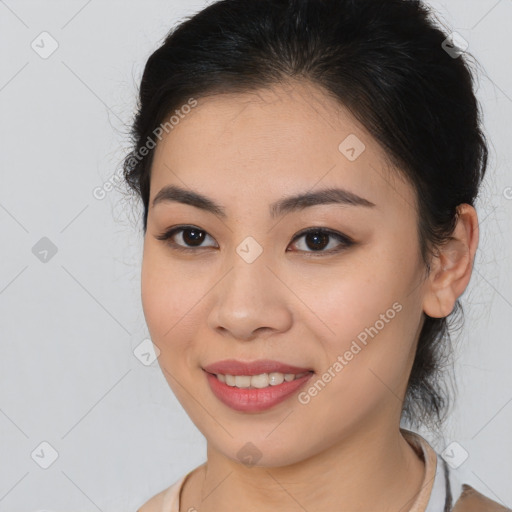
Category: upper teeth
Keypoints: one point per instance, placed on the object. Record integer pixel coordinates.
(258, 381)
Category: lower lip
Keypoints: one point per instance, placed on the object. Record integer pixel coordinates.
(254, 399)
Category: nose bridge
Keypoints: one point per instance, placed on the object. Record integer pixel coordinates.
(249, 275)
(249, 297)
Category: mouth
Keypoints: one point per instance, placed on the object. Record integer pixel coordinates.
(255, 386)
(260, 381)
(236, 368)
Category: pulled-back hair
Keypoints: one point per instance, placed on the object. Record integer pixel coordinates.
(385, 61)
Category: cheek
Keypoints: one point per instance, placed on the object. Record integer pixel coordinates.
(371, 331)
(171, 301)
(353, 299)
(155, 299)
(372, 322)
(162, 312)
(160, 300)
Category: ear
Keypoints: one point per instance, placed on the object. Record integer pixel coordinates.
(451, 267)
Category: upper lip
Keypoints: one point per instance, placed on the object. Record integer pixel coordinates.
(234, 367)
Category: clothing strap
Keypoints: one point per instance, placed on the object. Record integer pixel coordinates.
(447, 487)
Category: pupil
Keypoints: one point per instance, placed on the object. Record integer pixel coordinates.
(197, 239)
(322, 236)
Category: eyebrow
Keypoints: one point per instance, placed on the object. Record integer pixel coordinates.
(173, 193)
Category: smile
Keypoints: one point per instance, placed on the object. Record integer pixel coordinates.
(263, 380)
(270, 390)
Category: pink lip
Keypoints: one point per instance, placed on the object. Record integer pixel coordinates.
(234, 367)
(254, 399)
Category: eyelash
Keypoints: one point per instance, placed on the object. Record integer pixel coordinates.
(344, 240)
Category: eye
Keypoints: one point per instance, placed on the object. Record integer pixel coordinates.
(189, 234)
(316, 239)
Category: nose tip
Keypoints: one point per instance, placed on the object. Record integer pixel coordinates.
(249, 303)
(247, 334)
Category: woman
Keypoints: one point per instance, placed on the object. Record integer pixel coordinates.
(308, 170)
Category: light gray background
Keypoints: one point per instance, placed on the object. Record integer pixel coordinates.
(69, 327)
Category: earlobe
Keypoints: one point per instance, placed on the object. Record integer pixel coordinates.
(451, 267)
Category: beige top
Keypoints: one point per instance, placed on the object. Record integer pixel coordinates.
(437, 483)
(427, 453)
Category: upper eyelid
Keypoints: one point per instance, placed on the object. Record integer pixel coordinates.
(340, 237)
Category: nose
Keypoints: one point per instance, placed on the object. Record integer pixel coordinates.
(250, 301)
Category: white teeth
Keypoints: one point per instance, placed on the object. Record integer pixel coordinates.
(258, 381)
(276, 378)
(242, 381)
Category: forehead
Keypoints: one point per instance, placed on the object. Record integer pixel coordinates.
(291, 137)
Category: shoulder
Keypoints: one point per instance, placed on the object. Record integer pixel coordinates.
(155, 504)
(166, 500)
(471, 500)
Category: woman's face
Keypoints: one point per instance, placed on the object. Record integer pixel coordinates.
(252, 287)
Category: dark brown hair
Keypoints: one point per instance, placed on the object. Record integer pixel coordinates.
(388, 63)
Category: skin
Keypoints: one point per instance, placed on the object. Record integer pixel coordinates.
(246, 151)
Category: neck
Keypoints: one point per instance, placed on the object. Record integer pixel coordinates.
(366, 471)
